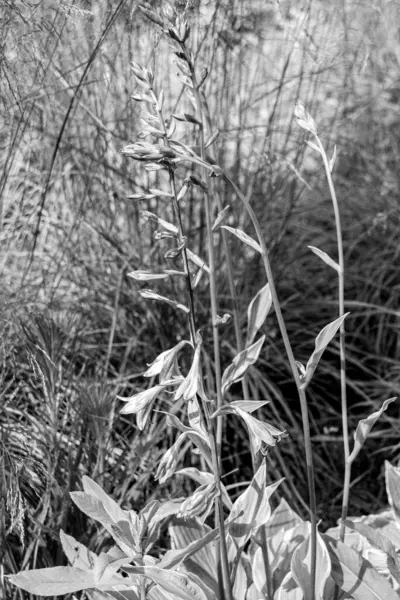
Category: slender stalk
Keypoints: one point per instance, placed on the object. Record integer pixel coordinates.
(293, 367)
(215, 436)
(343, 394)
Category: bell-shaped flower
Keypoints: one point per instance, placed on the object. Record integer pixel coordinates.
(200, 503)
(141, 404)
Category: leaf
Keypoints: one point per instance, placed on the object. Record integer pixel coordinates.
(252, 509)
(355, 575)
(301, 567)
(78, 555)
(364, 427)
(173, 558)
(204, 562)
(392, 478)
(321, 341)
(54, 581)
(326, 258)
(147, 276)
(282, 519)
(377, 539)
(289, 589)
(257, 312)
(241, 363)
(178, 584)
(243, 237)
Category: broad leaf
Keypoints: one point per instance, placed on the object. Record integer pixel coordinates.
(377, 539)
(325, 257)
(301, 567)
(178, 584)
(392, 478)
(257, 312)
(241, 363)
(289, 589)
(172, 558)
(365, 426)
(321, 342)
(54, 581)
(355, 575)
(282, 519)
(243, 237)
(252, 509)
(203, 563)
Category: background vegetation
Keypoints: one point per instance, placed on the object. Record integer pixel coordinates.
(74, 330)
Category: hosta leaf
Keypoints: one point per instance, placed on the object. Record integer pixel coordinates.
(289, 589)
(364, 427)
(257, 312)
(172, 558)
(325, 257)
(241, 363)
(321, 341)
(203, 563)
(377, 539)
(243, 237)
(283, 518)
(178, 584)
(78, 555)
(355, 575)
(301, 567)
(392, 478)
(252, 509)
(54, 581)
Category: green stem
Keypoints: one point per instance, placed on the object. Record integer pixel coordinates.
(342, 344)
(293, 367)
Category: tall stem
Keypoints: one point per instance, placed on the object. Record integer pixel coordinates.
(342, 344)
(215, 436)
(293, 367)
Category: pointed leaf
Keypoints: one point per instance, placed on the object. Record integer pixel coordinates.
(377, 539)
(321, 341)
(282, 519)
(392, 478)
(301, 567)
(364, 427)
(355, 575)
(257, 312)
(289, 589)
(326, 258)
(178, 584)
(244, 237)
(54, 581)
(241, 363)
